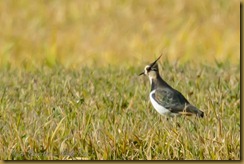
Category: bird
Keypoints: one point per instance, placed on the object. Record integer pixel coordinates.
(165, 99)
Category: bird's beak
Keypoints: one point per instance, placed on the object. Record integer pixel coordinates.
(141, 74)
(156, 60)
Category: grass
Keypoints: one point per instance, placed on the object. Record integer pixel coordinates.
(70, 89)
(59, 114)
(88, 33)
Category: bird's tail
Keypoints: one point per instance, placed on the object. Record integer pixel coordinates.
(193, 109)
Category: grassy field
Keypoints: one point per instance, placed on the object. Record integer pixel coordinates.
(70, 88)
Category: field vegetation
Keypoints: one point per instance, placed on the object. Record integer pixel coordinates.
(69, 84)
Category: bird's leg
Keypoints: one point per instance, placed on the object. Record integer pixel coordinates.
(176, 123)
(168, 121)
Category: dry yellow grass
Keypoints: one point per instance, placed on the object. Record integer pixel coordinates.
(77, 33)
(69, 87)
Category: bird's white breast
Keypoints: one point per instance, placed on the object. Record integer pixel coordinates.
(159, 108)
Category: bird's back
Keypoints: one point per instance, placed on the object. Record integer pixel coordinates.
(172, 99)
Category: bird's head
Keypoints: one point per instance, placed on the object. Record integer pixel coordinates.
(151, 70)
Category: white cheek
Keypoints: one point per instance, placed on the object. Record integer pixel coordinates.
(150, 79)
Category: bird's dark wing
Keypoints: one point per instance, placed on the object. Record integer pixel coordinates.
(174, 101)
(171, 99)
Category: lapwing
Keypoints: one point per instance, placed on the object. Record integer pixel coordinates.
(165, 99)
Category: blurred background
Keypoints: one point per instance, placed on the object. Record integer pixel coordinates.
(117, 32)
